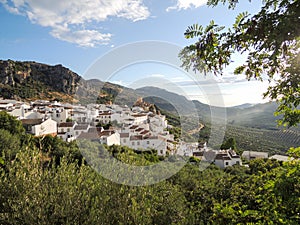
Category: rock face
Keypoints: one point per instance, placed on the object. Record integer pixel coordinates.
(14, 76)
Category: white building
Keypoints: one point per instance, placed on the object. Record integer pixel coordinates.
(147, 142)
(225, 158)
(249, 155)
(40, 127)
(109, 137)
(140, 118)
(66, 131)
(60, 114)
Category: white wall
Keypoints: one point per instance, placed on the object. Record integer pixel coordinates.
(113, 139)
(47, 127)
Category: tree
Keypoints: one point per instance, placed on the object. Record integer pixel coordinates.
(230, 143)
(271, 38)
(9, 123)
(9, 145)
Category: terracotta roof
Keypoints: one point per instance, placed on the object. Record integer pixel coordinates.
(145, 132)
(139, 129)
(81, 127)
(136, 137)
(32, 121)
(124, 135)
(66, 124)
(197, 153)
(105, 114)
(88, 136)
(221, 156)
(139, 115)
(226, 158)
(106, 133)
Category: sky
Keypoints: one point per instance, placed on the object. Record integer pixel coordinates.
(80, 33)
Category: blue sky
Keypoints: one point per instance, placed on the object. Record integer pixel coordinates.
(77, 33)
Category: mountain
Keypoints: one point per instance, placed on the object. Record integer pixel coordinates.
(244, 106)
(32, 80)
(27, 80)
(169, 101)
(256, 116)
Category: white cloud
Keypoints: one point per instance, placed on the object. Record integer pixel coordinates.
(185, 4)
(69, 20)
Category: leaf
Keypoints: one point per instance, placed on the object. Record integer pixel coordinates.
(239, 19)
(193, 31)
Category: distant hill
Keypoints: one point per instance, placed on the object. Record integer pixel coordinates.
(257, 116)
(244, 106)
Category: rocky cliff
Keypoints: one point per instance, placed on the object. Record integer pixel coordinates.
(25, 80)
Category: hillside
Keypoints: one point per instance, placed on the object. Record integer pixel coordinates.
(249, 124)
(30, 80)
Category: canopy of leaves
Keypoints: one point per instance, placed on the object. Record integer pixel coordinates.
(230, 143)
(271, 38)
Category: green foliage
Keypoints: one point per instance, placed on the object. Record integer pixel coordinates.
(44, 180)
(294, 152)
(176, 131)
(74, 193)
(9, 145)
(104, 125)
(9, 123)
(229, 143)
(271, 39)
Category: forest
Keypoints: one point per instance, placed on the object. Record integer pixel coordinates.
(47, 181)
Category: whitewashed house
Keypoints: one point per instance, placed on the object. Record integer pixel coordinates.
(225, 158)
(60, 114)
(140, 118)
(148, 142)
(66, 131)
(158, 123)
(6, 106)
(40, 127)
(104, 117)
(109, 137)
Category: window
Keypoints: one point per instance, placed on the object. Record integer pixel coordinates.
(148, 142)
(124, 140)
(138, 143)
(68, 129)
(226, 163)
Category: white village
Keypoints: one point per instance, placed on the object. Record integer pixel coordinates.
(112, 124)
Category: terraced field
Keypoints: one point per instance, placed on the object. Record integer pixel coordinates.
(272, 141)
